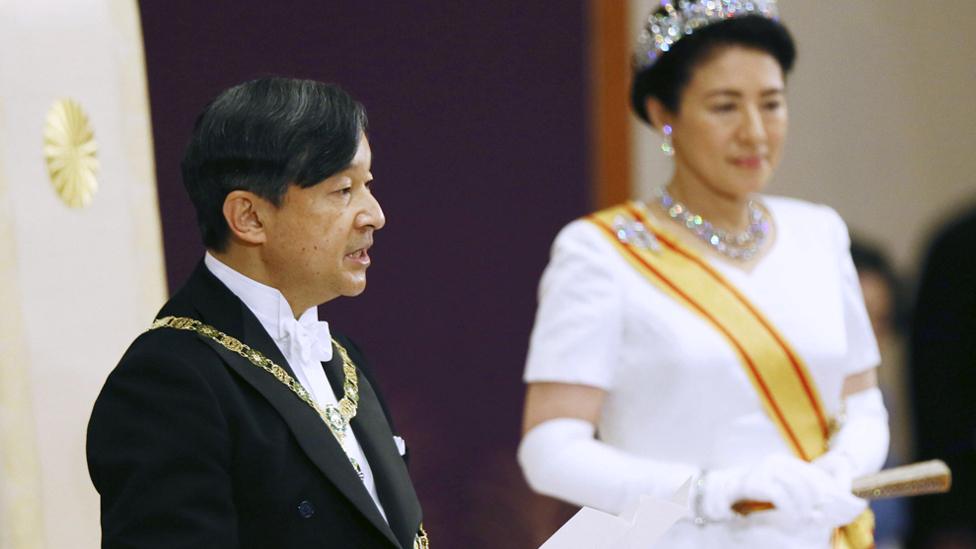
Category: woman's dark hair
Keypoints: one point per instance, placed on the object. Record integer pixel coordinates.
(262, 136)
(667, 78)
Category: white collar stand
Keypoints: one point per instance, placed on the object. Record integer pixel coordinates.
(307, 337)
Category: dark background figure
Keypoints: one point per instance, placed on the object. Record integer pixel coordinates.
(886, 303)
(478, 127)
(943, 370)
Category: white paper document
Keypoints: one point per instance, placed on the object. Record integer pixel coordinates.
(635, 528)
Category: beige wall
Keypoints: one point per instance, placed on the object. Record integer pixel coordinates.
(882, 115)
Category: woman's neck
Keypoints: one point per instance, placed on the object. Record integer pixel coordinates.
(723, 211)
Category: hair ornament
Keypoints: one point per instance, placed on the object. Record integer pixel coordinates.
(675, 19)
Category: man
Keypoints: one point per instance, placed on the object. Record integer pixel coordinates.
(238, 421)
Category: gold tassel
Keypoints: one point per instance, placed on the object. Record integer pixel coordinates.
(858, 534)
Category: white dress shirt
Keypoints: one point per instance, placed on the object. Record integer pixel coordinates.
(305, 343)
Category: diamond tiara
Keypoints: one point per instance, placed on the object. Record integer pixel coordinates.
(675, 19)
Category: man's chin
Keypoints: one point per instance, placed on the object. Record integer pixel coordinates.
(354, 289)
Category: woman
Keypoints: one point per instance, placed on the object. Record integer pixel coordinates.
(712, 334)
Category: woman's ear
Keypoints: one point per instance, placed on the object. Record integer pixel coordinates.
(658, 114)
(245, 213)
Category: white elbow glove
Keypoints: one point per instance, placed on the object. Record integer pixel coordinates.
(861, 445)
(560, 458)
(801, 493)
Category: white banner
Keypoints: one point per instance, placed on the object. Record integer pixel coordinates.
(81, 263)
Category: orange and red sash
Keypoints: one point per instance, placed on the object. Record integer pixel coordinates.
(787, 391)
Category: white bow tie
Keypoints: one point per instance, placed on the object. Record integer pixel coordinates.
(307, 339)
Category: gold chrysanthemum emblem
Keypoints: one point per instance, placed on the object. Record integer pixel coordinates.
(70, 153)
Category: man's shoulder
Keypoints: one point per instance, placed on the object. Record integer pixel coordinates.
(352, 348)
(165, 344)
(159, 366)
(345, 341)
(176, 346)
(167, 354)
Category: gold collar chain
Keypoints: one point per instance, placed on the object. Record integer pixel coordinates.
(421, 541)
(337, 417)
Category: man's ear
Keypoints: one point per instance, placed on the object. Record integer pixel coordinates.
(246, 214)
(658, 113)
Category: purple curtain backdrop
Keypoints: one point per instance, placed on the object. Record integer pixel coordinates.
(478, 123)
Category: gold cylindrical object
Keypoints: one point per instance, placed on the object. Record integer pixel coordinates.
(917, 479)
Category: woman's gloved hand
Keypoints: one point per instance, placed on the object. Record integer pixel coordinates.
(801, 493)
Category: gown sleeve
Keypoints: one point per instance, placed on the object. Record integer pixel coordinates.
(862, 347)
(578, 324)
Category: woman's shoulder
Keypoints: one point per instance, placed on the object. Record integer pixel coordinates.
(817, 221)
(582, 234)
(585, 247)
(794, 210)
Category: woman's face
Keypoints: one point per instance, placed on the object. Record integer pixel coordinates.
(729, 130)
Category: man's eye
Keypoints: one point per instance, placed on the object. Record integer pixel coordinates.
(725, 107)
(772, 105)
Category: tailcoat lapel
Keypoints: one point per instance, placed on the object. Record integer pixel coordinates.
(389, 470)
(220, 308)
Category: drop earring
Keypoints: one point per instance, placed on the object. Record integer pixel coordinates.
(667, 147)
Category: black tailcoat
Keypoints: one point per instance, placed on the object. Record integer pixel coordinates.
(192, 446)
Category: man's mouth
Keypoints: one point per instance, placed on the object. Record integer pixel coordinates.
(360, 256)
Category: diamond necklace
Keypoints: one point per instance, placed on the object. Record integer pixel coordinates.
(740, 247)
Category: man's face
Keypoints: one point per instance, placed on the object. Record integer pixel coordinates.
(317, 239)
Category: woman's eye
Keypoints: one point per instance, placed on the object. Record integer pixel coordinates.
(772, 105)
(725, 107)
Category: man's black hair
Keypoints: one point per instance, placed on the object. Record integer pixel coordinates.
(667, 78)
(262, 136)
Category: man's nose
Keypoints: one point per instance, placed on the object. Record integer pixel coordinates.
(372, 214)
